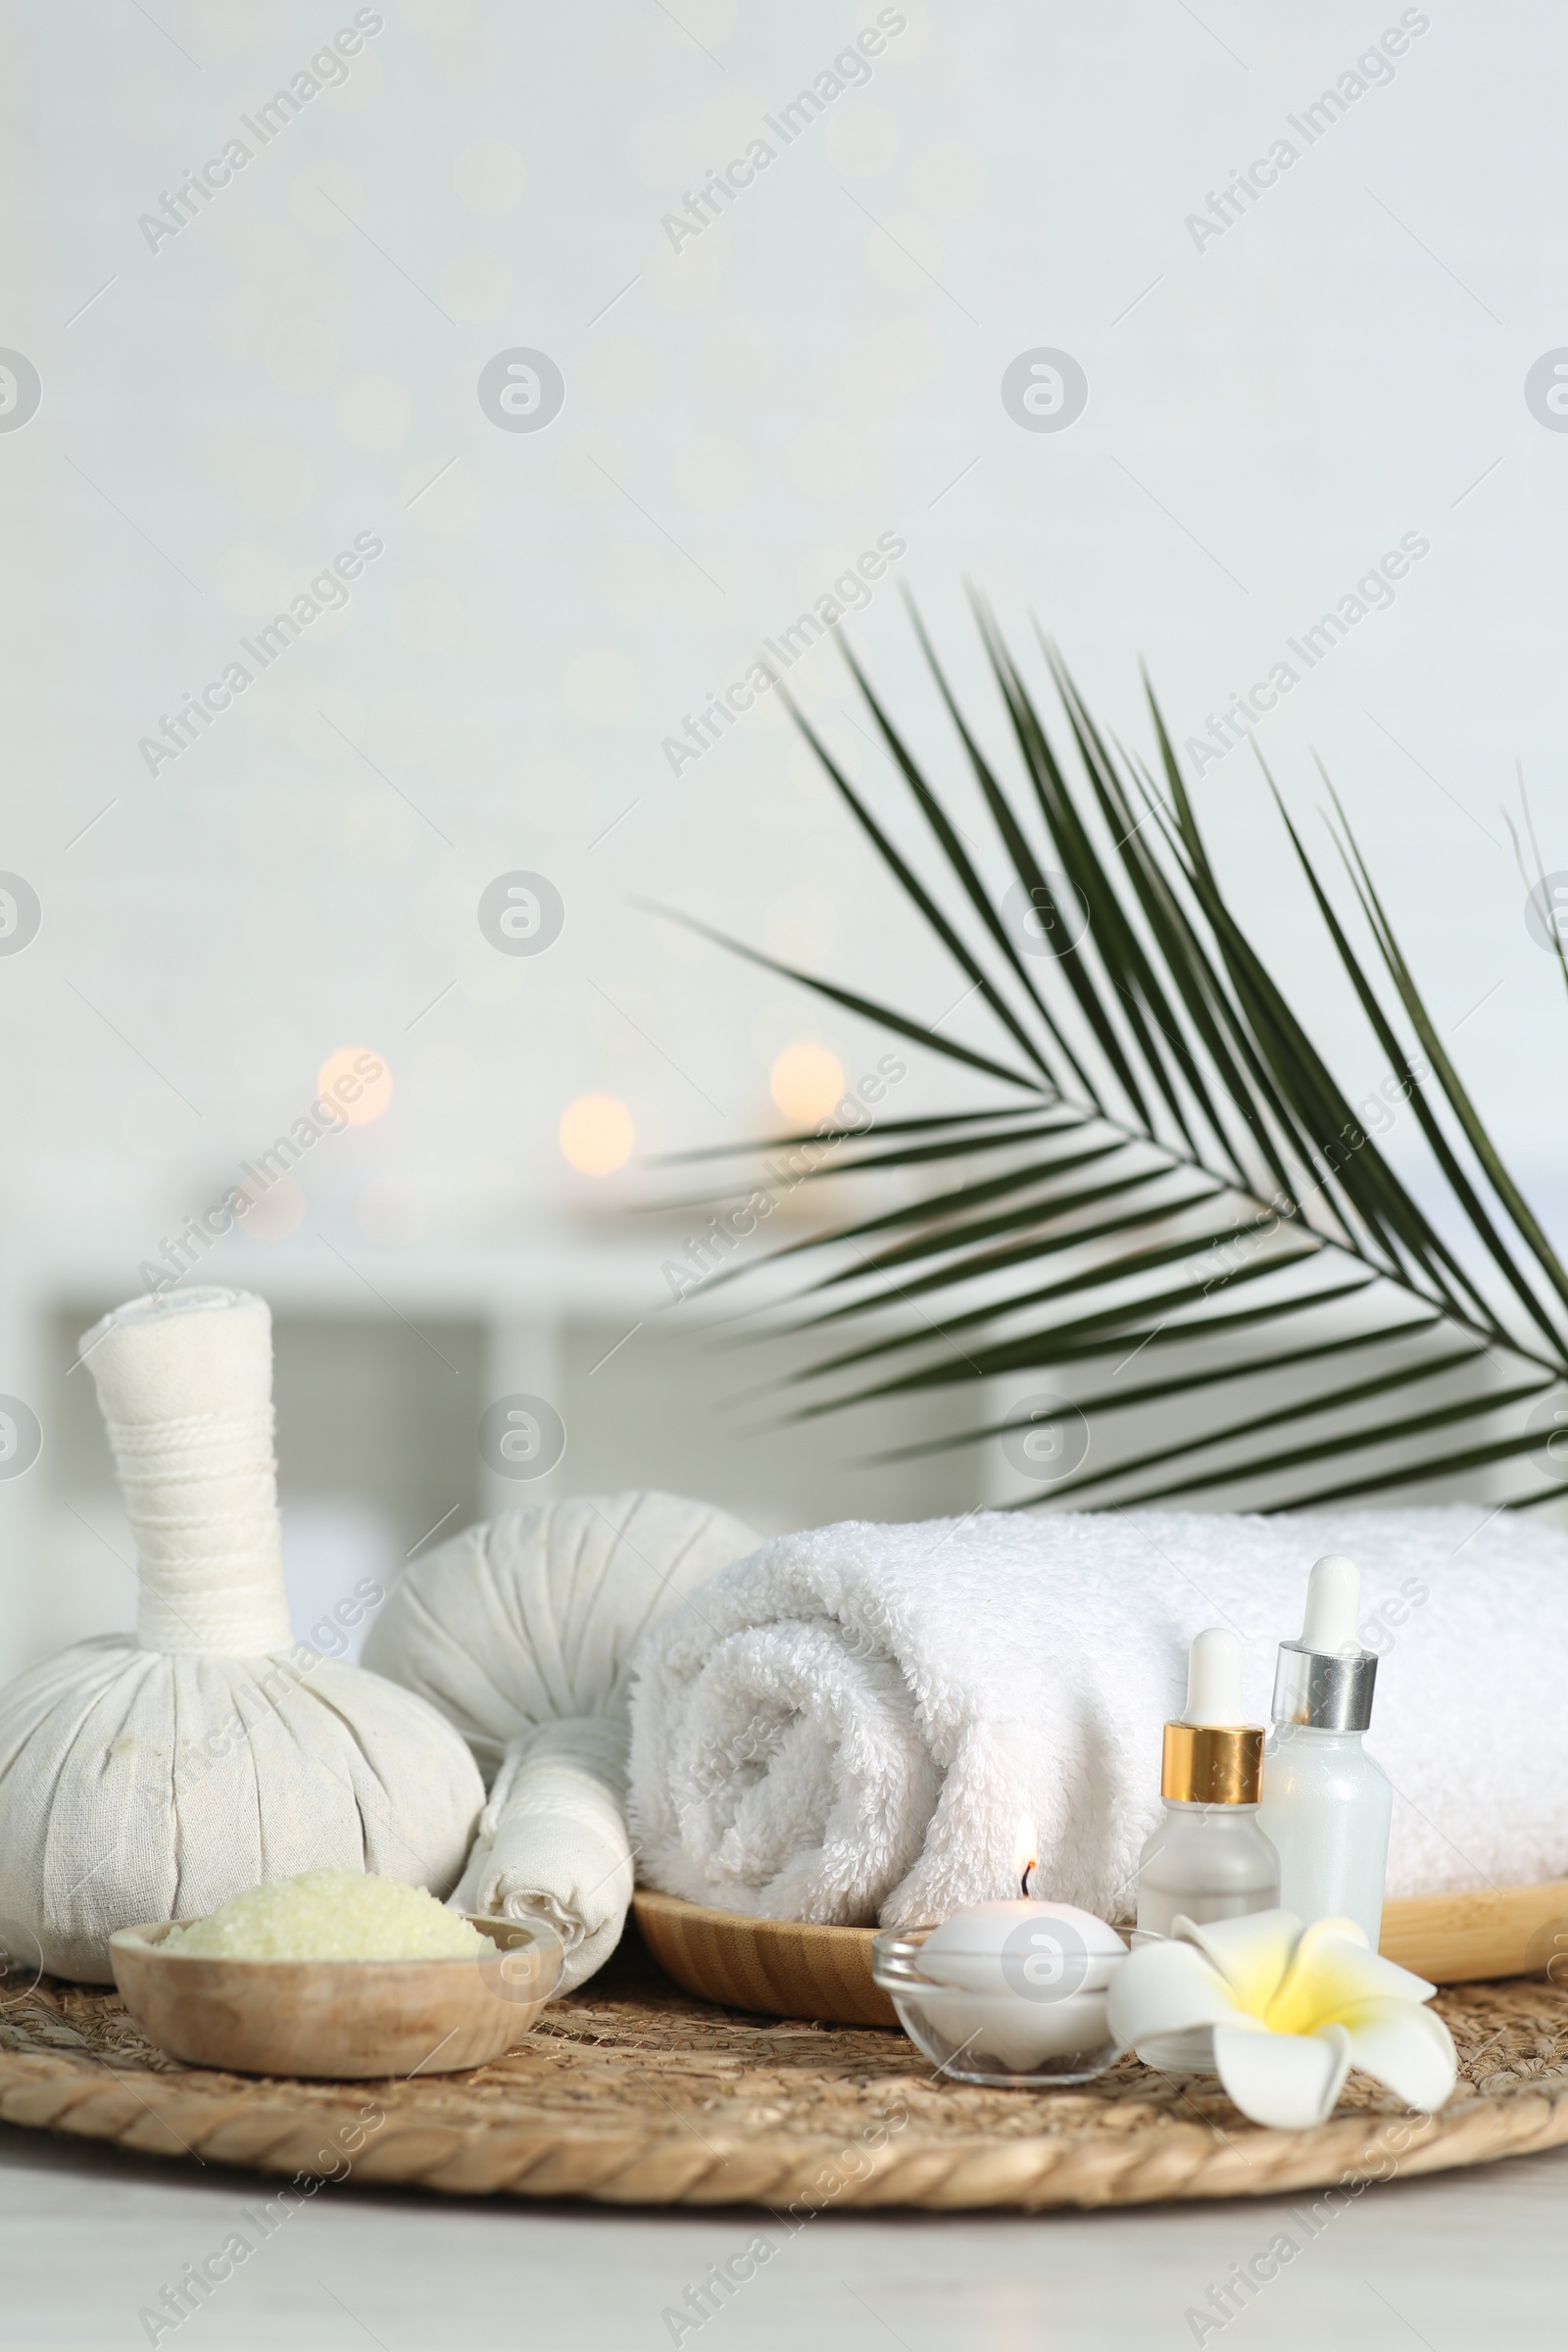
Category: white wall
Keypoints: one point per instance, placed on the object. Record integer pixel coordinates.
(1266, 417)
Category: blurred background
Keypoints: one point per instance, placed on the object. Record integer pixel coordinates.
(451, 329)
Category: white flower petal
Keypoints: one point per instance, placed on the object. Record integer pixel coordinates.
(1287, 2081)
(1408, 2048)
(1163, 1988)
(1251, 1953)
(1332, 1972)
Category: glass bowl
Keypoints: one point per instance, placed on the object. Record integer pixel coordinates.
(1007, 2038)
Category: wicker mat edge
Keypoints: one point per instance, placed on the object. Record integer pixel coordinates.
(630, 2093)
(148, 2115)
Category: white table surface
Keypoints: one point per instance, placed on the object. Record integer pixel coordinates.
(1474, 2260)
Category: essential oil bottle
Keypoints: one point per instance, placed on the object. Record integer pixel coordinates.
(1326, 1802)
(1209, 1858)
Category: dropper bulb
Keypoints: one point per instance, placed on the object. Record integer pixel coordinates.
(1332, 1605)
(1215, 1678)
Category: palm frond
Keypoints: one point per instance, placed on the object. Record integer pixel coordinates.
(1185, 1183)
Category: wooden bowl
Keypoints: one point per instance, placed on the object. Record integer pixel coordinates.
(781, 1967)
(343, 2020)
(789, 1970)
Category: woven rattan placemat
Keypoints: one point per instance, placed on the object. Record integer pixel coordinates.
(632, 2092)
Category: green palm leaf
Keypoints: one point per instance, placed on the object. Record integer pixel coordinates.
(1185, 1182)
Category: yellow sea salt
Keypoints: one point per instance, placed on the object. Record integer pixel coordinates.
(329, 1915)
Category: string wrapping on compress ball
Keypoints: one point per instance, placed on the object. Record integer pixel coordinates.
(186, 1385)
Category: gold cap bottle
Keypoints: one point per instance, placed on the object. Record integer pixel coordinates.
(1209, 1859)
(1210, 1758)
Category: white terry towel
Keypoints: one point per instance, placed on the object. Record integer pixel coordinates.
(869, 1723)
(522, 1632)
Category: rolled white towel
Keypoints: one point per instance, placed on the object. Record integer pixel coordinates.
(522, 1632)
(869, 1722)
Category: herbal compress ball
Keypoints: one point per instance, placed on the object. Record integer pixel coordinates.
(523, 1632)
(153, 1778)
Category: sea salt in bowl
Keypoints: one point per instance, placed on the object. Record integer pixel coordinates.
(286, 1980)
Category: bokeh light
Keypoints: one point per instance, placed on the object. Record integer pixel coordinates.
(596, 1134)
(357, 1081)
(805, 1082)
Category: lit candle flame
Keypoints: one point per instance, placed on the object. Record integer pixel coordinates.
(1025, 1853)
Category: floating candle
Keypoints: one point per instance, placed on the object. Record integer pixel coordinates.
(1007, 1992)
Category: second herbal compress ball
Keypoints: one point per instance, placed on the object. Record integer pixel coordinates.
(522, 1633)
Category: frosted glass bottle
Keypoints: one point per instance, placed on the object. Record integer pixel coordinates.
(1327, 1804)
(1210, 1858)
(1205, 1862)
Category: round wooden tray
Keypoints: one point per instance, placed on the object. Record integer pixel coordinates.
(782, 1967)
(632, 2093)
(786, 1969)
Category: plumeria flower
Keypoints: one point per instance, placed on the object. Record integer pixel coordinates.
(1292, 2012)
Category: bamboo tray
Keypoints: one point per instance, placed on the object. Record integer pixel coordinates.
(632, 2093)
(782, 1968)
(787, 1969)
